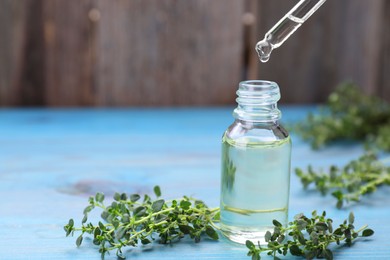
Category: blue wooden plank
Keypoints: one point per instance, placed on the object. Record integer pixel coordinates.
(52, 160)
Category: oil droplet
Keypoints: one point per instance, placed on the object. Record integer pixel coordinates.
(264, 49)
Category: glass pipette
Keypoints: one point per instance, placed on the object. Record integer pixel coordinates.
(286, 26)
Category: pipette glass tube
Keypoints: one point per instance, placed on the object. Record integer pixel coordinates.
(286, 26)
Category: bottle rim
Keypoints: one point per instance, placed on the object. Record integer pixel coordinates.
(258, 82)
(266, 90)
(257, 101)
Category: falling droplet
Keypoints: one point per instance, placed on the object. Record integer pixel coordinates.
(264, 49)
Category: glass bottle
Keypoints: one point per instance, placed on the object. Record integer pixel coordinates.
(256, 153)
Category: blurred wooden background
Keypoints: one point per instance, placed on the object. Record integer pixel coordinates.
(193, 52)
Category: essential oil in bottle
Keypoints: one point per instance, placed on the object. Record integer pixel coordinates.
(256, 153)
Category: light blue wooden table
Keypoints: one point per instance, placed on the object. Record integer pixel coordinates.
(52, 160)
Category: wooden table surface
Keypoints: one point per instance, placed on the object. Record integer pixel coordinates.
(51, 161)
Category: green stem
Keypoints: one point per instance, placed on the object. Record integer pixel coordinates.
(150, 216)
(361, 229)
(138, 233)
(213, 210)
(99, 205)
(376, 182)
(214, 226)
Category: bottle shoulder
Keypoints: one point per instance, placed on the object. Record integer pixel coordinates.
(246, 132)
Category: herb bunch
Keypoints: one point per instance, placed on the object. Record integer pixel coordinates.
(348, 114)
(309, 237)
(359, 177)
(130, 220)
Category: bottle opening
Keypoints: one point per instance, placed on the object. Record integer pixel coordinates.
(257, 101)
(258, 84)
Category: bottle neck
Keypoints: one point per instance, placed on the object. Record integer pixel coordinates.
(257, 102)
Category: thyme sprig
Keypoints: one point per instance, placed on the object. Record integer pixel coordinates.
(349, 183)
(128, 221)
(309, 237)
(348, 114)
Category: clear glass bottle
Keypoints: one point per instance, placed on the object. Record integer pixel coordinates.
(256, 153)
